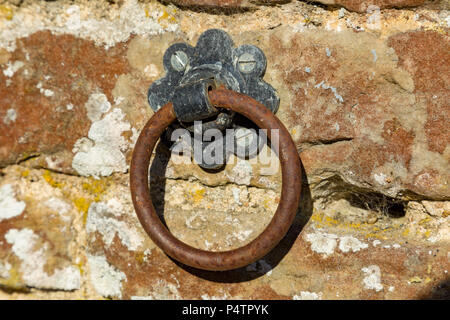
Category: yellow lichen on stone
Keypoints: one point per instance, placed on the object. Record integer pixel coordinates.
(317, 217)
(266, 203)
(25, 173)
(437, 29)
(82, 205)
(331, 220)
(354, 225)
(375, 236)
(367, 230)
(95, 188)
(6, 12)
(423, 221)
(166, 16)
(140, 257)
(196, 195)
(322, 220)
(80, 267)
(415, 279)
(50, 180)
(14, 281)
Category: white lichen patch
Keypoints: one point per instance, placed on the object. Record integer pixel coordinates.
(336, 126)
(372, 279)
(241, 173)
(106, 279)
(102, 217)
(142, 298)
(349, 243)
(151, 71)
(225, 296)
(45, 92)
(326, 243)
(436, 208)
(4, 270)
(60, 206)
(96, 106)
(116, 25)
(236, 196)
(162, 290)
(242, 235)
(443, 233)
(12, 67)
(118, 100)
(53, 162)
(9, 206)
(306, 295)
(321, 242)
(388, 176)
(33, 262)
(103, 155)
(10, 116)
(380, 178)
(195, 221)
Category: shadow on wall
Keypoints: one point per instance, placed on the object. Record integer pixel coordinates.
(273, 258)
(439, 292)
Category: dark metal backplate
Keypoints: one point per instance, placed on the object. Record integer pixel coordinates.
(214, 57)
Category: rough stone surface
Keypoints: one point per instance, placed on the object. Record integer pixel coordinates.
(365, 101)
(372, 6)
(211, 3)
(47, 119)
(225, 3)
(352, 5)
(33, 256)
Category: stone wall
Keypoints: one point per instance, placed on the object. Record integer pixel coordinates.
(364, 88)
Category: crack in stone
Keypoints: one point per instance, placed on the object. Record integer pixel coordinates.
(320, 142)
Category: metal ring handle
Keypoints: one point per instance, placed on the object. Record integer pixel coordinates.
(272, 234)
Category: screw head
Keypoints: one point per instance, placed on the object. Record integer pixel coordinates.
(246, 62)
(179, 61)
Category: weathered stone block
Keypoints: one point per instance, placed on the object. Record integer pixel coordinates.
(372, 5)
(365, 104)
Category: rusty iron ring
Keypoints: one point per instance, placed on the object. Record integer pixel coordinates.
(272, 234)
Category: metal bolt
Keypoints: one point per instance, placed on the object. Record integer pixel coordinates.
(179, 60)
(246, 62)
